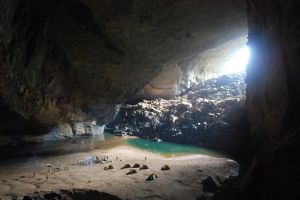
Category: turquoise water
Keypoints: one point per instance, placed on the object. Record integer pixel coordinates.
(170, 149)
(108, 141)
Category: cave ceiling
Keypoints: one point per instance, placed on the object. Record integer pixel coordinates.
(100, 53)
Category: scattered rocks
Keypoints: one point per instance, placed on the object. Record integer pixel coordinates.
(131, 171)
(152, 177)
(165, 167)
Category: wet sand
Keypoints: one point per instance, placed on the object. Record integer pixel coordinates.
(183, 181)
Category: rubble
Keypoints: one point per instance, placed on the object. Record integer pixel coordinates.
(206, 114)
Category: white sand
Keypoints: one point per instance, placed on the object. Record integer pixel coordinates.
(183, 181)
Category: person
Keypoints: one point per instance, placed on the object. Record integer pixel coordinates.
(47, 177)
(145, 158)
(33, 174)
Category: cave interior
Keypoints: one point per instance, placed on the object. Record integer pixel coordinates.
(201, 97)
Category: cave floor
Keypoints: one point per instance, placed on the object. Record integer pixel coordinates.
(183, 181)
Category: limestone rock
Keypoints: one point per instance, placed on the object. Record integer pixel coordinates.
(61, 56)
(208, 114)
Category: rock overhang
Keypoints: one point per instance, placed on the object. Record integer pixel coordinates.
(92, 55)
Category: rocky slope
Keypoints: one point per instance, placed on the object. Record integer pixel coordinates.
(210, 114)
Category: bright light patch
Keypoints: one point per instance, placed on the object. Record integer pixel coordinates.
(238, 61)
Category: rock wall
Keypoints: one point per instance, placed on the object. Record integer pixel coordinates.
(65, 61)
(273, 95)
(273, 91)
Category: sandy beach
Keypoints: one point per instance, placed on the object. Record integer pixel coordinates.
(183, 181)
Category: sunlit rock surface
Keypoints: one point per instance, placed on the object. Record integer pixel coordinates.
(210, 114)
(177, 77)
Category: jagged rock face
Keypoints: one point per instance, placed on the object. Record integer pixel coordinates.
(74, 60)
(210, 114)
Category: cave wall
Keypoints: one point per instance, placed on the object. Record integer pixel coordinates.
(273, 73)
(64, 61)
(273, 95)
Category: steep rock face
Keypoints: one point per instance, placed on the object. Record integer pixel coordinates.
(273, 96)
(74, 60)
(273, 72)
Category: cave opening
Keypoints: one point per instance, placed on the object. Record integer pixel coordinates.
(199, 102)
(188, 104)
(238, 61)
(90, 93)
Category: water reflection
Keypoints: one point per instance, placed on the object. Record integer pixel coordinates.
(102, 141)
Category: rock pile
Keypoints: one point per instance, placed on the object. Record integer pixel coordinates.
(208, 114)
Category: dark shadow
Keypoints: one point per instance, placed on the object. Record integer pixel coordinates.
(76, 194)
